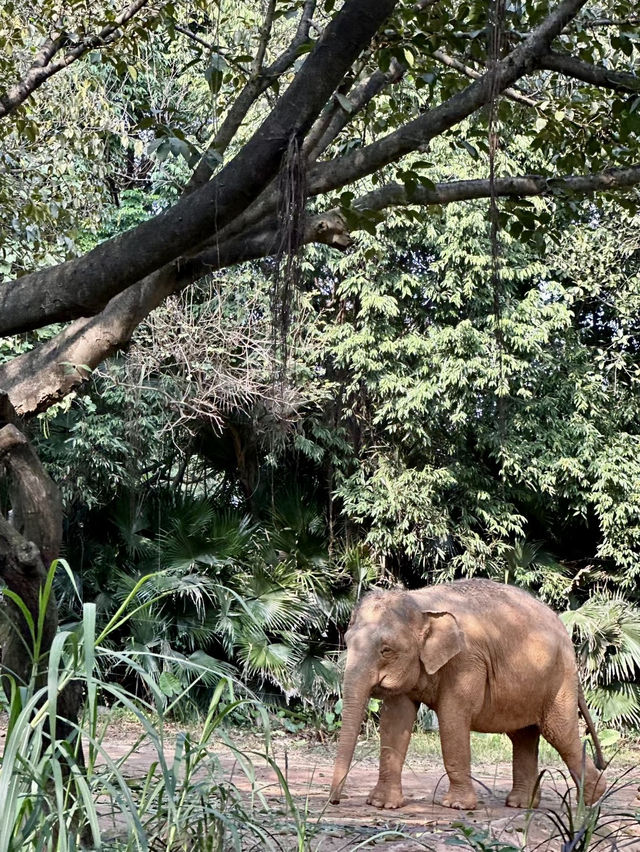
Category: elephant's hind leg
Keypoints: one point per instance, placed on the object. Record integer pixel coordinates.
(560, 729)
(397, 716)
(524, 793)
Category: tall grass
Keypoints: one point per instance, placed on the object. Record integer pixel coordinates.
(54, 798)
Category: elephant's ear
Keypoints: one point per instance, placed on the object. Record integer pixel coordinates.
(441, 640)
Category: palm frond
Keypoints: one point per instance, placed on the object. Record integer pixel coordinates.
(131, 522)
(261, 657)
(314, 666)
(206, 668)
(198, 534)
(606, 630)
(617, 705)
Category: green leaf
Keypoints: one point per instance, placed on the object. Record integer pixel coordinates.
(169, 684)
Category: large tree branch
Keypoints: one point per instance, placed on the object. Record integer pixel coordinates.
(46, 374)
(397, 195)
(10, 437)
(88, 342)
(596, 75)
(260, 80)
(83, 286)
(332, 174)
(43, 67)
(327, 127)
(632, 21)
(415, 134)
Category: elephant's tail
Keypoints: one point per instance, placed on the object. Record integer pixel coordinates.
(600, 762)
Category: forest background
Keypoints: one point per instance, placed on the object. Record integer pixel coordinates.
(388, 368)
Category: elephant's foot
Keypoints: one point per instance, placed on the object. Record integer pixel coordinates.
(386, 796)
(461, 798)
(519, 798)
(594, 787)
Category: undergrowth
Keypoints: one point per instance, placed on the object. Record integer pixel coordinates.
(55, 799)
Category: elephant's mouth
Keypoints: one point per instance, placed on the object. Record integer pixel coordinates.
(381, 690)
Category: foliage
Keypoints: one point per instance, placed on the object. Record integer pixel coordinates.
(478, 430)
(223, 590)
(581, 826)
(460, 394)
(95, 445)
(606, 629)
(184, 800)
(576, 826)
(479, 839)
(450, 439)
(52, 801)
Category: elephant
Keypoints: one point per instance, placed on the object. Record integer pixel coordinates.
(485, 657)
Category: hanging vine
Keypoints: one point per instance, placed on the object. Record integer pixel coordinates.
(495, 39)
(293, 196)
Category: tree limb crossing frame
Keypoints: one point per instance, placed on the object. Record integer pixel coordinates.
(229, 217)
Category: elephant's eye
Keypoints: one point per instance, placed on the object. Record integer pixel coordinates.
(386, 651)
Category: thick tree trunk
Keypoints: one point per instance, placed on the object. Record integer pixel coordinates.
(29, 542)
(35, 499)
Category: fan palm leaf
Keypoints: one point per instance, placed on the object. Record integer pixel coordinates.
(261, 657)
(606, 630)
(197, 534)
(616, 705)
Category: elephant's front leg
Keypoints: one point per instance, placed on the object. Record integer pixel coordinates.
(455, 739)
(397, 716)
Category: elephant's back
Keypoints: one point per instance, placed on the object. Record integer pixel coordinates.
(497, 606)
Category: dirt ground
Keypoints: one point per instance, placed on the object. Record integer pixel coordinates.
(422, 823)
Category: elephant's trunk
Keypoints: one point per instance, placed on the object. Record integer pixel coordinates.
(356, 692)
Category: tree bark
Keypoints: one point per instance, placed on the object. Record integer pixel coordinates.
(595, 75)
(35, 498)
(28, 544)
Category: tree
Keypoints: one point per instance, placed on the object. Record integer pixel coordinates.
(378, 83)
(372, 73)
(474, 429)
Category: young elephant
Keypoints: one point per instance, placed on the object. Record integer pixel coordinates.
(486, 657)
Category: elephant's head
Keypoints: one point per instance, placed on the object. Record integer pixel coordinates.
(391, 643)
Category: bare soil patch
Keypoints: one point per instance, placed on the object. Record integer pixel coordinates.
(422, 823)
